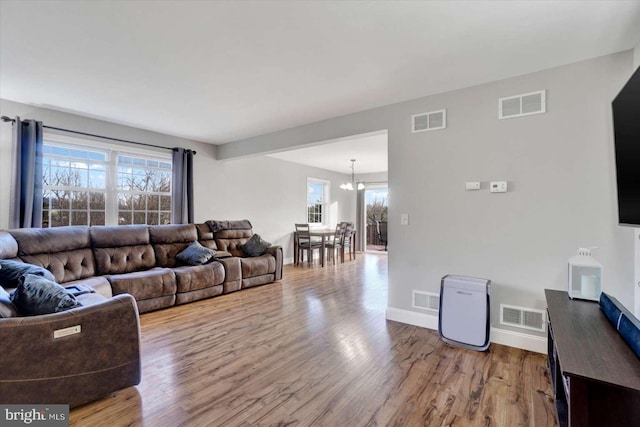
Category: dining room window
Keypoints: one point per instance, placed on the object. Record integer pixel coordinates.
(317, 201)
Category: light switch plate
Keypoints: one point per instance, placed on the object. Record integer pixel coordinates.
(404, 219)
(472, 185)
(498, 186)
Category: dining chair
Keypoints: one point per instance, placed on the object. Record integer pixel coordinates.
(305, 243)
(333, 247)
(381, 229)
(347, 241)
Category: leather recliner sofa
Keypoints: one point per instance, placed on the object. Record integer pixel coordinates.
(126, 270)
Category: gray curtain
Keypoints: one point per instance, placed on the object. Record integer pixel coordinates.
(182, 187)
(26, 210)
(361, 221)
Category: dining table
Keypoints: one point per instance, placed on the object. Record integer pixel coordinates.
(325, 234)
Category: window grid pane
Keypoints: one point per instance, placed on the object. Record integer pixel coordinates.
(317, 201)
(76, 188)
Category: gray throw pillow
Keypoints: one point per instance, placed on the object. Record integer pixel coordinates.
(11, 271)
(255, 246)
(37, 295)
(195, 254)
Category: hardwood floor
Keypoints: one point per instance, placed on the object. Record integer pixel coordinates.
(315, 349)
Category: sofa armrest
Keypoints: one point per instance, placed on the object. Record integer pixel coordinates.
(276, 251)
(72, 357)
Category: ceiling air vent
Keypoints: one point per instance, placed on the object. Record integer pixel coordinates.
(521, 317)
(426, 300)
(522, 105)
(429, 121)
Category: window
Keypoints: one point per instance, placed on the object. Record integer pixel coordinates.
(104, 185)
(317, 201)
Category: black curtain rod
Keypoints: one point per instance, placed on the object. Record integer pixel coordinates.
(9, 119)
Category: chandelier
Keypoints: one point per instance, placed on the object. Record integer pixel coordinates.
(350, 186)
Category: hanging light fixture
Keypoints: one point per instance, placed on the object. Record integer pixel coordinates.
(350, 186)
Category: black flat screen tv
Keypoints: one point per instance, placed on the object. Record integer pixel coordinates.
(626, 132)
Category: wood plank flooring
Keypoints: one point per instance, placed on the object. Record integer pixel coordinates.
(315, 350)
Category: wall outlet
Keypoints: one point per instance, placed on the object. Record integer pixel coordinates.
(472, 185)
(498, 186)
(404, 219)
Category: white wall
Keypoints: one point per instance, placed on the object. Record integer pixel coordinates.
(269, 192)
(636, 56)
(560, 170)
(373, 177)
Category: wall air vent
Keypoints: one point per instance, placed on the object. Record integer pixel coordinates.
(521, 317)
(429, 121)
(426, 300)
(522, 105)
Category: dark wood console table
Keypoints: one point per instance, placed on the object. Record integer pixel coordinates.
(595, 376)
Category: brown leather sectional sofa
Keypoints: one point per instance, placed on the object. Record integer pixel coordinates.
(126, 269)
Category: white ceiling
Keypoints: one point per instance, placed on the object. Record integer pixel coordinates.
(369, 152)
(225, 70)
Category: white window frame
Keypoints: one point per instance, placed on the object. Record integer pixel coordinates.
(326, 201)
(112, 151)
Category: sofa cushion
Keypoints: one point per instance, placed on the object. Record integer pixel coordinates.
(231, 240)
(7, 308)
(8, 245)
(205, 236)
(37, 295)
(221, 255)
(255, 246)
(11, 271)
(100, 284)
(50, 240)
(169, 240)
(257, 266)
(157, 282)
(192, 278)
(195, 254)
(122, 249)
(66, 265)
(125, 259)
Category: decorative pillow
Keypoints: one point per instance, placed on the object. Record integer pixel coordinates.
(255, 246)
(38, 295)
(7, 308)
(11, 271)
(195, 254)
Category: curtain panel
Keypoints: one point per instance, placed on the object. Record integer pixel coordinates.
(361, 220)
(26, 207)
(182, 186)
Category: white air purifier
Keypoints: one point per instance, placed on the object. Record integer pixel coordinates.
(465, 312)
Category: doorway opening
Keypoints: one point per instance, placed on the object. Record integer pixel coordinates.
(377, 216)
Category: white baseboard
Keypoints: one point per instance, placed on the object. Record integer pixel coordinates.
(498, 336)
(286, 261)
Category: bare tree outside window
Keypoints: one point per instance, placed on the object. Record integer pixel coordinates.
(77, 191)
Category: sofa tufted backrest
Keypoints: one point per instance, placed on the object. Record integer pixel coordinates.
(169, 240)
(122, 249)
(230, 240)
(205, 236)
(65, 251)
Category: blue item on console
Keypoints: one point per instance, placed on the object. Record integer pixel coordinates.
(611, 310)
(625, 323)
(630, 332)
